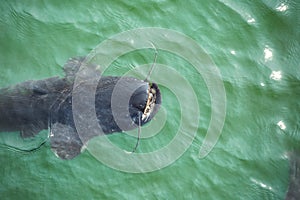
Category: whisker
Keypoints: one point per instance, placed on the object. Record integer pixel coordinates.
(139, 135)
(153, 64)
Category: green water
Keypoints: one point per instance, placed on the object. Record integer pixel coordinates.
(249, 41)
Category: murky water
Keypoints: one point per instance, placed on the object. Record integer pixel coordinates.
(254, 45)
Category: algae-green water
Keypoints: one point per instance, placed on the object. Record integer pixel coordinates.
(254, 45)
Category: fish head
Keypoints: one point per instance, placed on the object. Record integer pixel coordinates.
(123, 103)
(144, 103)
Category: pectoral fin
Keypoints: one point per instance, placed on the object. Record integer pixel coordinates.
(72, 66)
(65, 142)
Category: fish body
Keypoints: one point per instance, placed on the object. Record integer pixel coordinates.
(32, 106)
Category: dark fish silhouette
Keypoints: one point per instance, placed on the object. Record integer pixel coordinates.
(293, 192)
(32, 106)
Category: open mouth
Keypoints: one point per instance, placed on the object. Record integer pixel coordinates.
(151, 101)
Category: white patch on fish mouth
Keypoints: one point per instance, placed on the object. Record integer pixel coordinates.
(149, 104)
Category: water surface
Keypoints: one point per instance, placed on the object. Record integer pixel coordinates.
(255, 45)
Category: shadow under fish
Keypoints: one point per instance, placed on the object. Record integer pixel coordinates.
(32, 106)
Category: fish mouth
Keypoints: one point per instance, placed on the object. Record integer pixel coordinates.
(152, 100)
